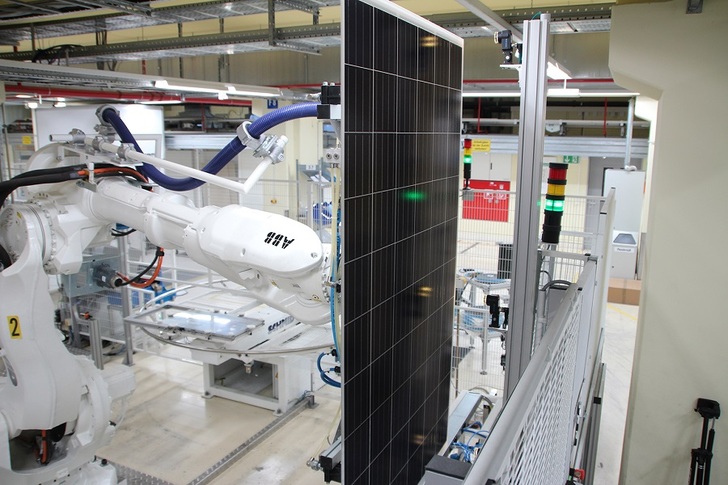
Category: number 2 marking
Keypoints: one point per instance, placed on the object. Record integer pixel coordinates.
(14, 326)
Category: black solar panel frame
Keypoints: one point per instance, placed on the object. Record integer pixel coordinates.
(401, 91)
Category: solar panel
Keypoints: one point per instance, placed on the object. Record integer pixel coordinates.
(401, 88)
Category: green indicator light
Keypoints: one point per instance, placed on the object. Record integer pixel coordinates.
(467, 159)
(554, 205)
(414, 195)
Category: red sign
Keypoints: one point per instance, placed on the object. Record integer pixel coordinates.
(488, 206)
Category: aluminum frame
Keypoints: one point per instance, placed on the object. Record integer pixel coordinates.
(525, 268)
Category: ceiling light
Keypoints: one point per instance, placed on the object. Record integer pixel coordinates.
(222, 96)
(608, 94)
(170, 101)
(491, 94)
(60, 104)
(192, 86)
(241, 90)
(23, 96)
(163, 84)
(60, 99)
(31, 105)
(564, 92)
(553, 92)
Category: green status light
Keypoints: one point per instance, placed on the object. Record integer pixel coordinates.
(554, 205)
(467, 159)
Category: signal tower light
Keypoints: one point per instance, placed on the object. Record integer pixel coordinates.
(467, 161)
(554, 207)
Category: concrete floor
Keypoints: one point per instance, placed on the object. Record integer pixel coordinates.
(620, 331)
(171, 432)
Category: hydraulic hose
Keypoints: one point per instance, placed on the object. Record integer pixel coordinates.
(230, 151)
(37, 178)
(281, 115)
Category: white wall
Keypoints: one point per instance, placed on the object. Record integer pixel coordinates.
(680, 354)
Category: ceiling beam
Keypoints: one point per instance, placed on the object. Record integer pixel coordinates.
(490, 16)
(119, 5)
(283, 35)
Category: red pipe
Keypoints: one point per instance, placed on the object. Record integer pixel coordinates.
(120, 95)
(478, 126)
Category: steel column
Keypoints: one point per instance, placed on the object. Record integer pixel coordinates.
(525, 266)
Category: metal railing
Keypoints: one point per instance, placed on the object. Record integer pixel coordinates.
(530, 442)
(549, 425)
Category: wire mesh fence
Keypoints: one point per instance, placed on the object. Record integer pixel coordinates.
(485, 246)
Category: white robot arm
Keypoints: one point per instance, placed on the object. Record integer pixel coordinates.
(47, 395)
(280, 261)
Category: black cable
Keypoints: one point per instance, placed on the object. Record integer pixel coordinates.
(46, 171)
(116, 233)
(137, 278)
(8, 186)
(135, 175)
(59, 174)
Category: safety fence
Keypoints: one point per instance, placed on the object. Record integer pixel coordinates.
(485, 232)
(546, 432)
(485, 246)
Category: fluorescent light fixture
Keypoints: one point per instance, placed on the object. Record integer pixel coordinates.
(60, 99)
(23, 96)
(60, 104)
(241, 90)
(163, 84)
(219, 89)
(492, 94)
(32, 105)
(553, 92)
(563, 92)
(608, 94)
(222, 96)
(170, 101)
(554, 71)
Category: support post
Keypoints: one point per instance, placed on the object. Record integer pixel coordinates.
(126, 304)
(525, 269)
(272, 22)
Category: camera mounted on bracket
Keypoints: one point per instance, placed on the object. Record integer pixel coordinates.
(505, 39)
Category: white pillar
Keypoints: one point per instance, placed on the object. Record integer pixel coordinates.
(680, 60)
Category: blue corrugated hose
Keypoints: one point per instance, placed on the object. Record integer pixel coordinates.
(223, 157)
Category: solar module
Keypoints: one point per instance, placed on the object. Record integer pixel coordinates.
(401, 99)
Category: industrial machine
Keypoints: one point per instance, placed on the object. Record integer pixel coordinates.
(250, 352)
(55, 408)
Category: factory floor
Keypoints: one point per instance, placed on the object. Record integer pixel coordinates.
(174, 434)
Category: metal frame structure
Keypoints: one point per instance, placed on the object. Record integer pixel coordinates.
(307, 38)
(530, 167)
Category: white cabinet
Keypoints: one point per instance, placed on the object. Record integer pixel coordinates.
(491, 166)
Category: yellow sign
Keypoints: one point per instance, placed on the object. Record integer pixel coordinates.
(14, 327)
(27, 140)
(481, 145)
